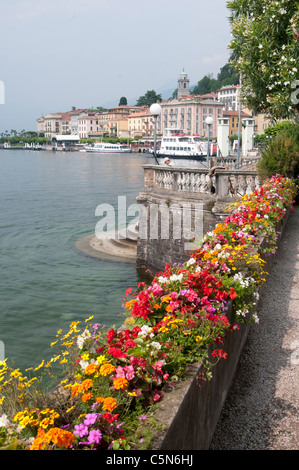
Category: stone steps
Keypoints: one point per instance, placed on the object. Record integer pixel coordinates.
(119, 245)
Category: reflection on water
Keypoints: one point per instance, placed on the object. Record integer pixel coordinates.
(48, 202)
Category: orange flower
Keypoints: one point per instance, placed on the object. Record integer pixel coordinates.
(86, 396)
(120, 383)
(57, 436)
(60, 437)
(76, 389)
(39, 442)
(86, 384)
(91, 369)
(107, 369)
(109, 404)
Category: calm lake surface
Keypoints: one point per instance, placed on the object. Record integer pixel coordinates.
(48, 202)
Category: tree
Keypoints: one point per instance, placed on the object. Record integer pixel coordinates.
(149, 98)
(265, 43)
(204, 85)
(123, 101)
(281, 155)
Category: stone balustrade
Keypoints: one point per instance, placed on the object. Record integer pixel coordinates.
(219, 180)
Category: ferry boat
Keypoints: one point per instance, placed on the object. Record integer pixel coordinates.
(105, 147)
(184, 150)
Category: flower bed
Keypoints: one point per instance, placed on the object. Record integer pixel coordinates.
(114, 378)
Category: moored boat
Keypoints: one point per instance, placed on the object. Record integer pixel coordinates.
(106, 147)
(183, 149)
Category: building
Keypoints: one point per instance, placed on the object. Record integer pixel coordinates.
(183, 85)
(88, 123)
(141, 124)
(188, 115)
(233, 117)
(59, 123)
(229, 96)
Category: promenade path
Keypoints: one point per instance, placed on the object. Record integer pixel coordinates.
(262, 408)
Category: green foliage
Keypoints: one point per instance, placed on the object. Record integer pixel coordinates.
(265, 44)
(281, 154)
(123, 101)
(228, 75)
(149, 98)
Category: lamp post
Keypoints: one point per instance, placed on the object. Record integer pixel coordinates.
(155, 110)
(209, 121)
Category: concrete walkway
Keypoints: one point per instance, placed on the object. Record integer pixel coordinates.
(262, 409)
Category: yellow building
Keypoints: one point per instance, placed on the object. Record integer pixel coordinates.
(141, 124)
(234, 120)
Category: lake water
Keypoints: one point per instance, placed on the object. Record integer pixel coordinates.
(48, 202)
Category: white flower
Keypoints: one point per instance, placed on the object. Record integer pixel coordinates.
(145, 331)
(4, 421)
(83, 364)
(81, 339)
(163, 280)
(176, 277)
(191, 261)
(155, 345)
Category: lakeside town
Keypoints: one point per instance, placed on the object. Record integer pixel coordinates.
(186, 112)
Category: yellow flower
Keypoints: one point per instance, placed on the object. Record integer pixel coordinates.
(198, 339)
(85, 357)
(101, 359)
(88, 319)
(15, 374)
(40, 366)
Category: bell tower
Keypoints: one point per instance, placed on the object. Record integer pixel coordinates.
(183, 85)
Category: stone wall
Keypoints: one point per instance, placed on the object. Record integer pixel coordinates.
(164, 223)
(190, 412)
(179, 205)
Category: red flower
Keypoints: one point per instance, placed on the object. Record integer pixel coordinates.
(111, 334)
(115, 352)
(232, 293)
(219, 353)
(129, 344)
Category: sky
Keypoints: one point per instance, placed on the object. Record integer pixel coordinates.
(55, 54)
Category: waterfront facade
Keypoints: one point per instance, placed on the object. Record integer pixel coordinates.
(188, 115)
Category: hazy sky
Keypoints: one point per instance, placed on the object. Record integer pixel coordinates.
(55, 54)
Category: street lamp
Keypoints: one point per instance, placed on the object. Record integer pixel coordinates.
(155, 110)
(209, 121)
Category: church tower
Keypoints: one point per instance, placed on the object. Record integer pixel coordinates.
(183, 85)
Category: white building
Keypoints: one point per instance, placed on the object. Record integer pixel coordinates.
(229, 96)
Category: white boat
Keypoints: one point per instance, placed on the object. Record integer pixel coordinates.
(184, 149)
(105, 147)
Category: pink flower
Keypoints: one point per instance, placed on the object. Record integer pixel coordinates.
(95, 436)
(130, 373)
(159, 364)
(120, 372)
(156, 397)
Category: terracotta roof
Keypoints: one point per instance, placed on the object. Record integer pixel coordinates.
(235, 113)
